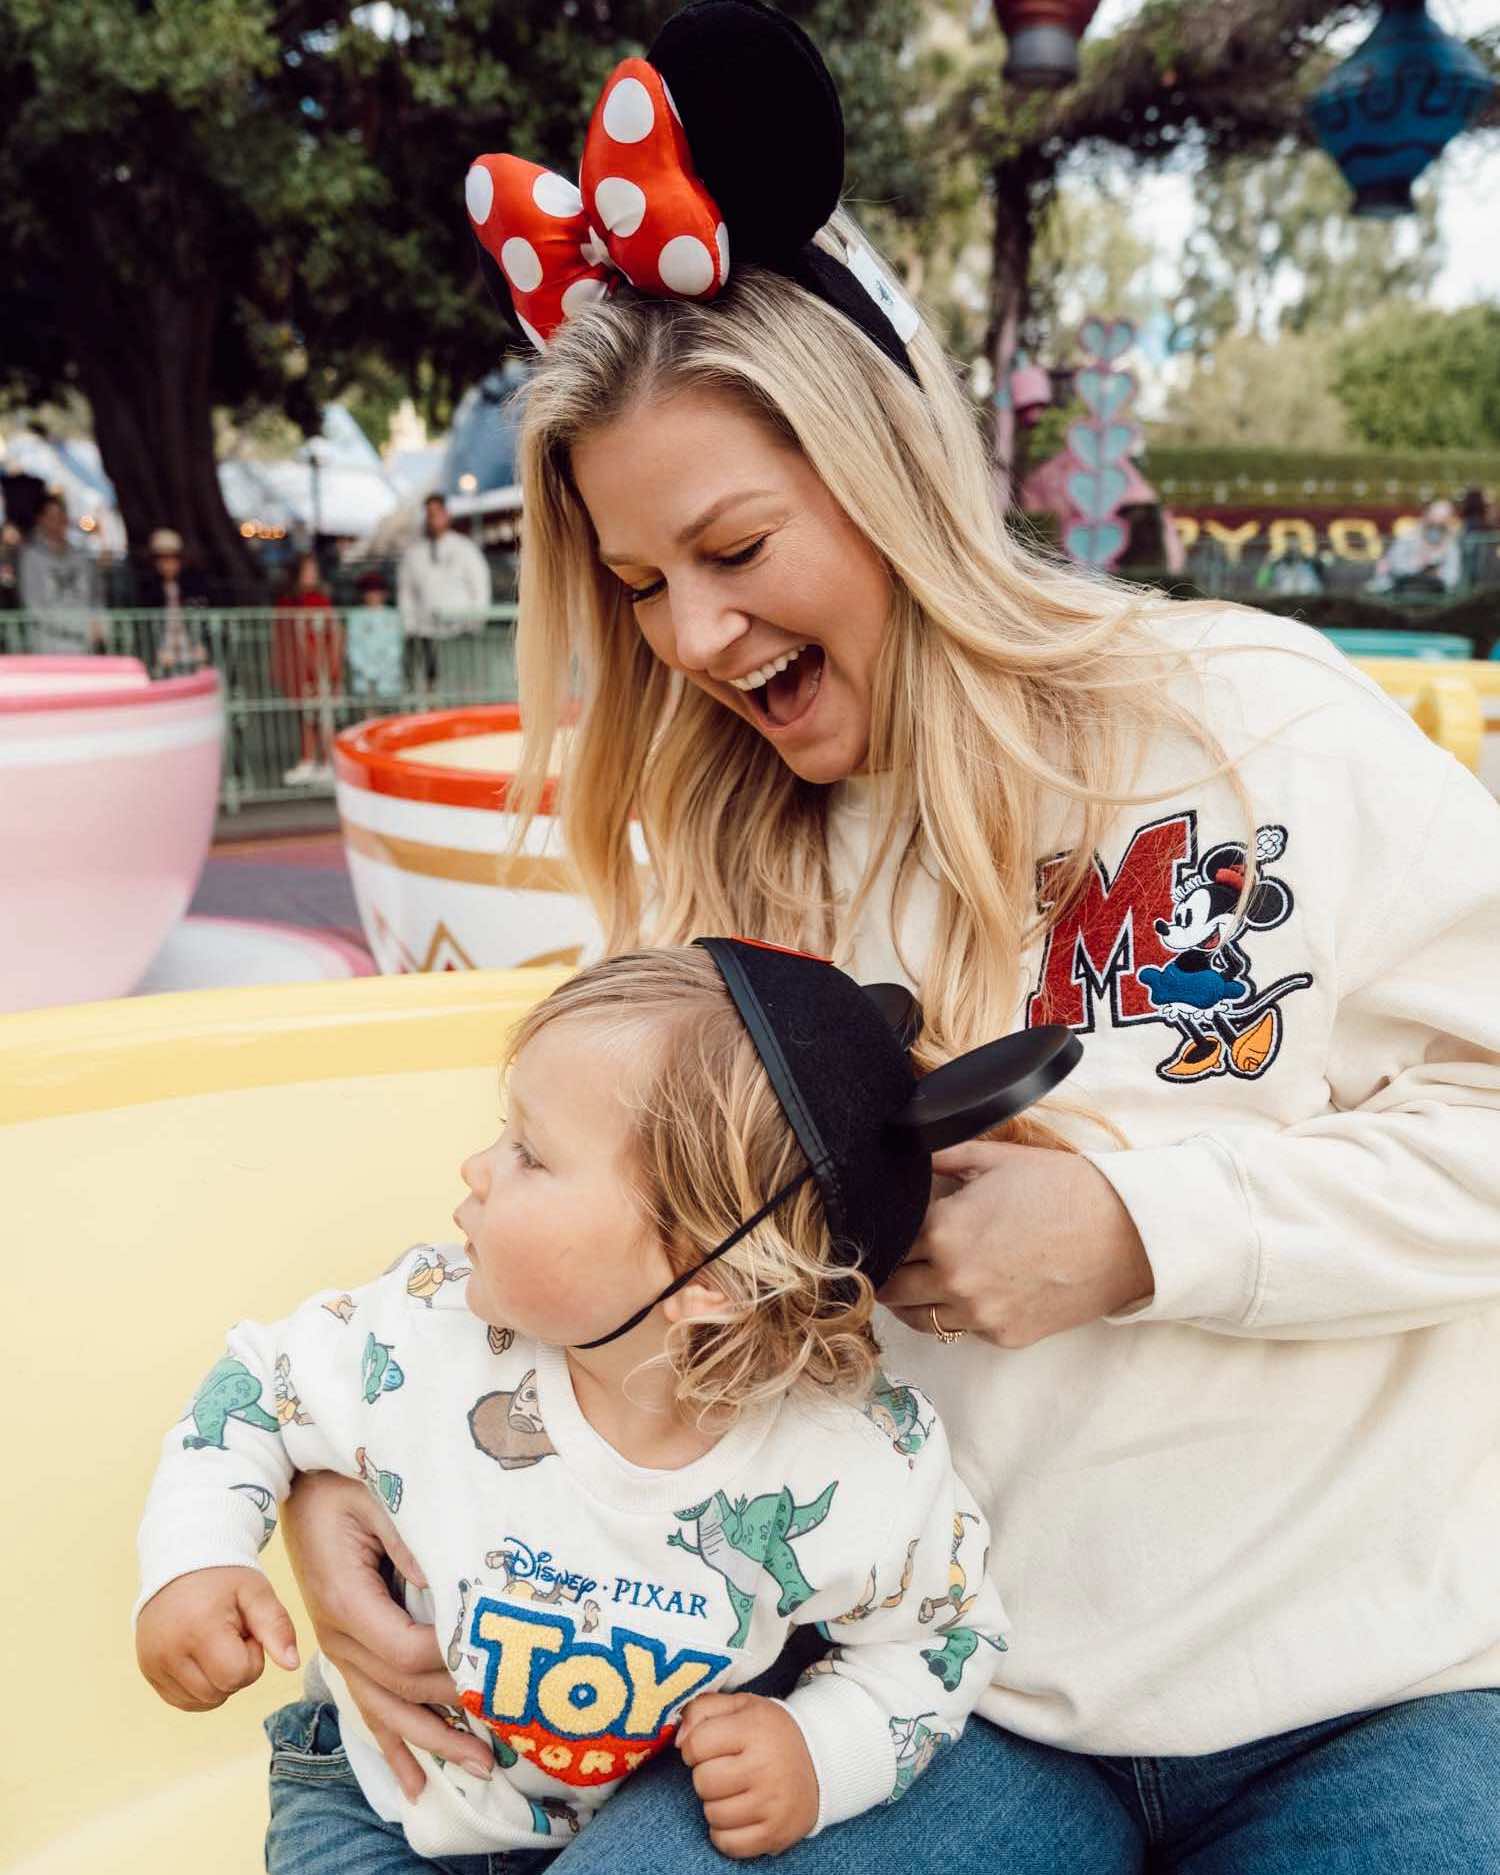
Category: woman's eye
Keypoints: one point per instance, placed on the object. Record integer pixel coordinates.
(638, 595)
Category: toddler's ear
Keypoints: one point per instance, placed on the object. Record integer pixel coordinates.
(702, 1296)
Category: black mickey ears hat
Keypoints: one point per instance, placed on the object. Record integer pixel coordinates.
(836, 1056)
(729, 64)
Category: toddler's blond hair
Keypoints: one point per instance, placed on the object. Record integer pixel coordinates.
(709, 1144)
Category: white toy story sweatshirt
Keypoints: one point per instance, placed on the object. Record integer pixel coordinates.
(583, 1601)
(1272, 1495)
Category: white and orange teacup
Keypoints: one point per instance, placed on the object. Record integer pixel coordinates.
(426, 833)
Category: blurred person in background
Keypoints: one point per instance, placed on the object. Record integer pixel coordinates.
(1291, 573)
(1426, 558)
(168, 588)
(307, 666)
(1478, 546)
(59, 586)
(442, 588)
(374, 641)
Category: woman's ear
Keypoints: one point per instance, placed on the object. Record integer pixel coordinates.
(702, 1296)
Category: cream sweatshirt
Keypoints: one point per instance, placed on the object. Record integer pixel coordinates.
(1272, 1495)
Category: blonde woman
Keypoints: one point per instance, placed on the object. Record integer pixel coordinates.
(1217, 1340)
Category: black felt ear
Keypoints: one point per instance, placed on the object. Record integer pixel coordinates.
(762, 119)
(902, 1011)
(990, 1084)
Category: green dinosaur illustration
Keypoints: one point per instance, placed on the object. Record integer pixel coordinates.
(916, 1747)
(959, 1646)
(741, 1539)
(229, 1391)
(897, 1410)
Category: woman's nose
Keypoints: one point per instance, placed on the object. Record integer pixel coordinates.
(703, 629)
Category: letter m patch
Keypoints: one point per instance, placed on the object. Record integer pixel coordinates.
(1107, 934)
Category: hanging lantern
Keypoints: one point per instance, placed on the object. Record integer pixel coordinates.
(1393, 105)
(1041, 39)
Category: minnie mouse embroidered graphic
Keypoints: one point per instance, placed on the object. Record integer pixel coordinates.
(1205, 989)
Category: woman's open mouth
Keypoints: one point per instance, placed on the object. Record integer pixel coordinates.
(786, 697)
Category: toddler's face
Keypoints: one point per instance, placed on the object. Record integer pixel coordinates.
(558, 1246)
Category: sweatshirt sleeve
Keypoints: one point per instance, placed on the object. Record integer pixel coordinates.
(279, 1400)
(910, 1657)
(1382, 1213)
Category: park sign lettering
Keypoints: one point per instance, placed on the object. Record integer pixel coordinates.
(1356, 537)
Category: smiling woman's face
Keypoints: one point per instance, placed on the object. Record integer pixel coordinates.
(738, 557)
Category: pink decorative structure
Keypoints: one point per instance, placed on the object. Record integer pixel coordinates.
(1030, 393)
(108, 784)
(1099, 468)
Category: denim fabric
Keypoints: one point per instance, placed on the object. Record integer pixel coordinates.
(321, 1825)
(1412, 1789)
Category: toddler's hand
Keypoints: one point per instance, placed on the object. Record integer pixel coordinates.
(752, 1772)
(206, 1635)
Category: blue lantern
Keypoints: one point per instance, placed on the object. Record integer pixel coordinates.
(1393, 105)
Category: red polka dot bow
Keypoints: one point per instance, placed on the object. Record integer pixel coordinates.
(643, 212)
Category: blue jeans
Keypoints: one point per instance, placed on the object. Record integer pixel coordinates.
(1412, 1788)
(321, 1824)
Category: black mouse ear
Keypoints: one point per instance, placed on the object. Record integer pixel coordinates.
(902, 1011)
(499, 290)
(762, 119)
(990, 1084)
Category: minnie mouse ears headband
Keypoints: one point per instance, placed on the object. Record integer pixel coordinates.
(727, 136)
(836, 1056)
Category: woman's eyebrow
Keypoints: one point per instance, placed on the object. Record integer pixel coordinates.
(694, 528)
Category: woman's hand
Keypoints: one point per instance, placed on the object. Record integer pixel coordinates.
(1032, 1242)
(335, 1535)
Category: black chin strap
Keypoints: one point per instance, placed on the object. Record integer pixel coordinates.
(687, 1275)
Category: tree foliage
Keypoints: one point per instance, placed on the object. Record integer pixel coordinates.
(1276, 249)
(1416, 378)
(1252, 391)
(257, 203)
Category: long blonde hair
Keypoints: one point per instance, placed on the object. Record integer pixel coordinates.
(709, 1144)
(1004, 675)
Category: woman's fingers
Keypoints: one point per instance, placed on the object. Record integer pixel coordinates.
(913, 1286)
(399, 1554)
(404, 1767)
(397, 1724)
(423, 1686)
(920, 1321)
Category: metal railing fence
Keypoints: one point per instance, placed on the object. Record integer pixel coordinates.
(293, 677)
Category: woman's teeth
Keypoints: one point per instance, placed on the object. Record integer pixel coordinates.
(767, 671)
